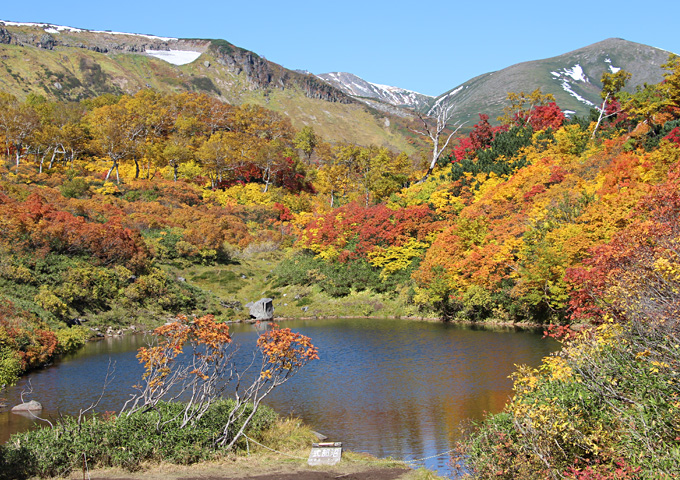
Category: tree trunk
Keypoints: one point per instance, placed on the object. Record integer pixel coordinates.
(599, 119)
(54, 154)
(114, 165)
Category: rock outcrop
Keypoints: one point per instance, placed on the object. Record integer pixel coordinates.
(5, 36)
(263, 309)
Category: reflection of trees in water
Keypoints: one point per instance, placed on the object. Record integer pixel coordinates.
(387, 387)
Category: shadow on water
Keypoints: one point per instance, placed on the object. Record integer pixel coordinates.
(387, 387)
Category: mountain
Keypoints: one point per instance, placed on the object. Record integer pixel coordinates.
(66, 63)
(361, 89)
(573, 78)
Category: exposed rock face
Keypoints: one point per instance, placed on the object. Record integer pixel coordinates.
(262, 73)
(31, 406)
(46, 41)
(5, 36)
(263, 309)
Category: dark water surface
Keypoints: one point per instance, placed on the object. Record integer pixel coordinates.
(387, 387)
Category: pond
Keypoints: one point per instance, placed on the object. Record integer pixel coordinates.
(386, 387)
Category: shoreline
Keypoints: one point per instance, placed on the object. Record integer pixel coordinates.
(486, 325)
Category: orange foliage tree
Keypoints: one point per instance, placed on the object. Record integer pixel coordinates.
(201, 376)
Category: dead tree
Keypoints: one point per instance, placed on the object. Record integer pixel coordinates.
(441, 114)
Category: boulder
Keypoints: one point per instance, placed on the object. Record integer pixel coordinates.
(31, 406)
(263, 309)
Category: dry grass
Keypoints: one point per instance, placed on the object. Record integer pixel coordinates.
(288, 436)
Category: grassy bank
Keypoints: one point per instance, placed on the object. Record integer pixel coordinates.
(108, 447)
(250, 277)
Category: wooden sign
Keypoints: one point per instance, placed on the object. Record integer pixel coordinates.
(325, 453)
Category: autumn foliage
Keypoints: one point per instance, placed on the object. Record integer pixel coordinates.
(205, 373)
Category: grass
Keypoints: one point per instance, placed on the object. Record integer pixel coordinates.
(250, 278)
(288, 436)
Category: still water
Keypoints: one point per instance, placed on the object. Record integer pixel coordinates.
(387, 387)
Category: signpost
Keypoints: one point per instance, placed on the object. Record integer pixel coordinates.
(325, 453)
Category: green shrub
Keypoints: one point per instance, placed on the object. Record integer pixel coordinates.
(10, 364)
(77, 187)
(337, 279)
(605, 407)
(125, 441)
(71, 339)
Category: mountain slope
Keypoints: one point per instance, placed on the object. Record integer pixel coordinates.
(360, 88)
(65, 63)
(573, 78)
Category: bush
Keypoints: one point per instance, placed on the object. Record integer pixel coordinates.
(337, 279)
(605, 407)
(77, 187)
(10, 365)
(125, 441)
(71, 339)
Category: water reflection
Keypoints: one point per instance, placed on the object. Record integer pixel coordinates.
(386, 387)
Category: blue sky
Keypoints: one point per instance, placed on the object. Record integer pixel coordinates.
(426, 46)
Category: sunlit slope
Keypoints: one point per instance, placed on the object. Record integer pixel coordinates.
(82, 64)
(572, 78)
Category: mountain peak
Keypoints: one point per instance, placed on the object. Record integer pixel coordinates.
(573, 78)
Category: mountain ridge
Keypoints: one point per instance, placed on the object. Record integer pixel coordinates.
(361, 89)
(573, 78)
(68, 63)
(576, 89)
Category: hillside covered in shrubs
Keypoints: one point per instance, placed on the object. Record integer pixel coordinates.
(106, 204)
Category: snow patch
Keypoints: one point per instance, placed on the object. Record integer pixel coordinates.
(176, 57)
(453, 92)
(49, 28)
(567, 88)
(556, 74)
(576, 72)
(151, 37)
(612, 68)
(442, 99)
(394, 89)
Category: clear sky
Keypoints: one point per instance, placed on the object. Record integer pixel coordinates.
(427, 46)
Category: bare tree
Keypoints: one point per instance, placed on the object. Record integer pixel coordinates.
(441, 114)
(612, 83)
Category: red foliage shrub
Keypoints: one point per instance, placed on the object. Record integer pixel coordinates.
(25, 333)
(543, 117)
(359, 229)
(37, 226)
